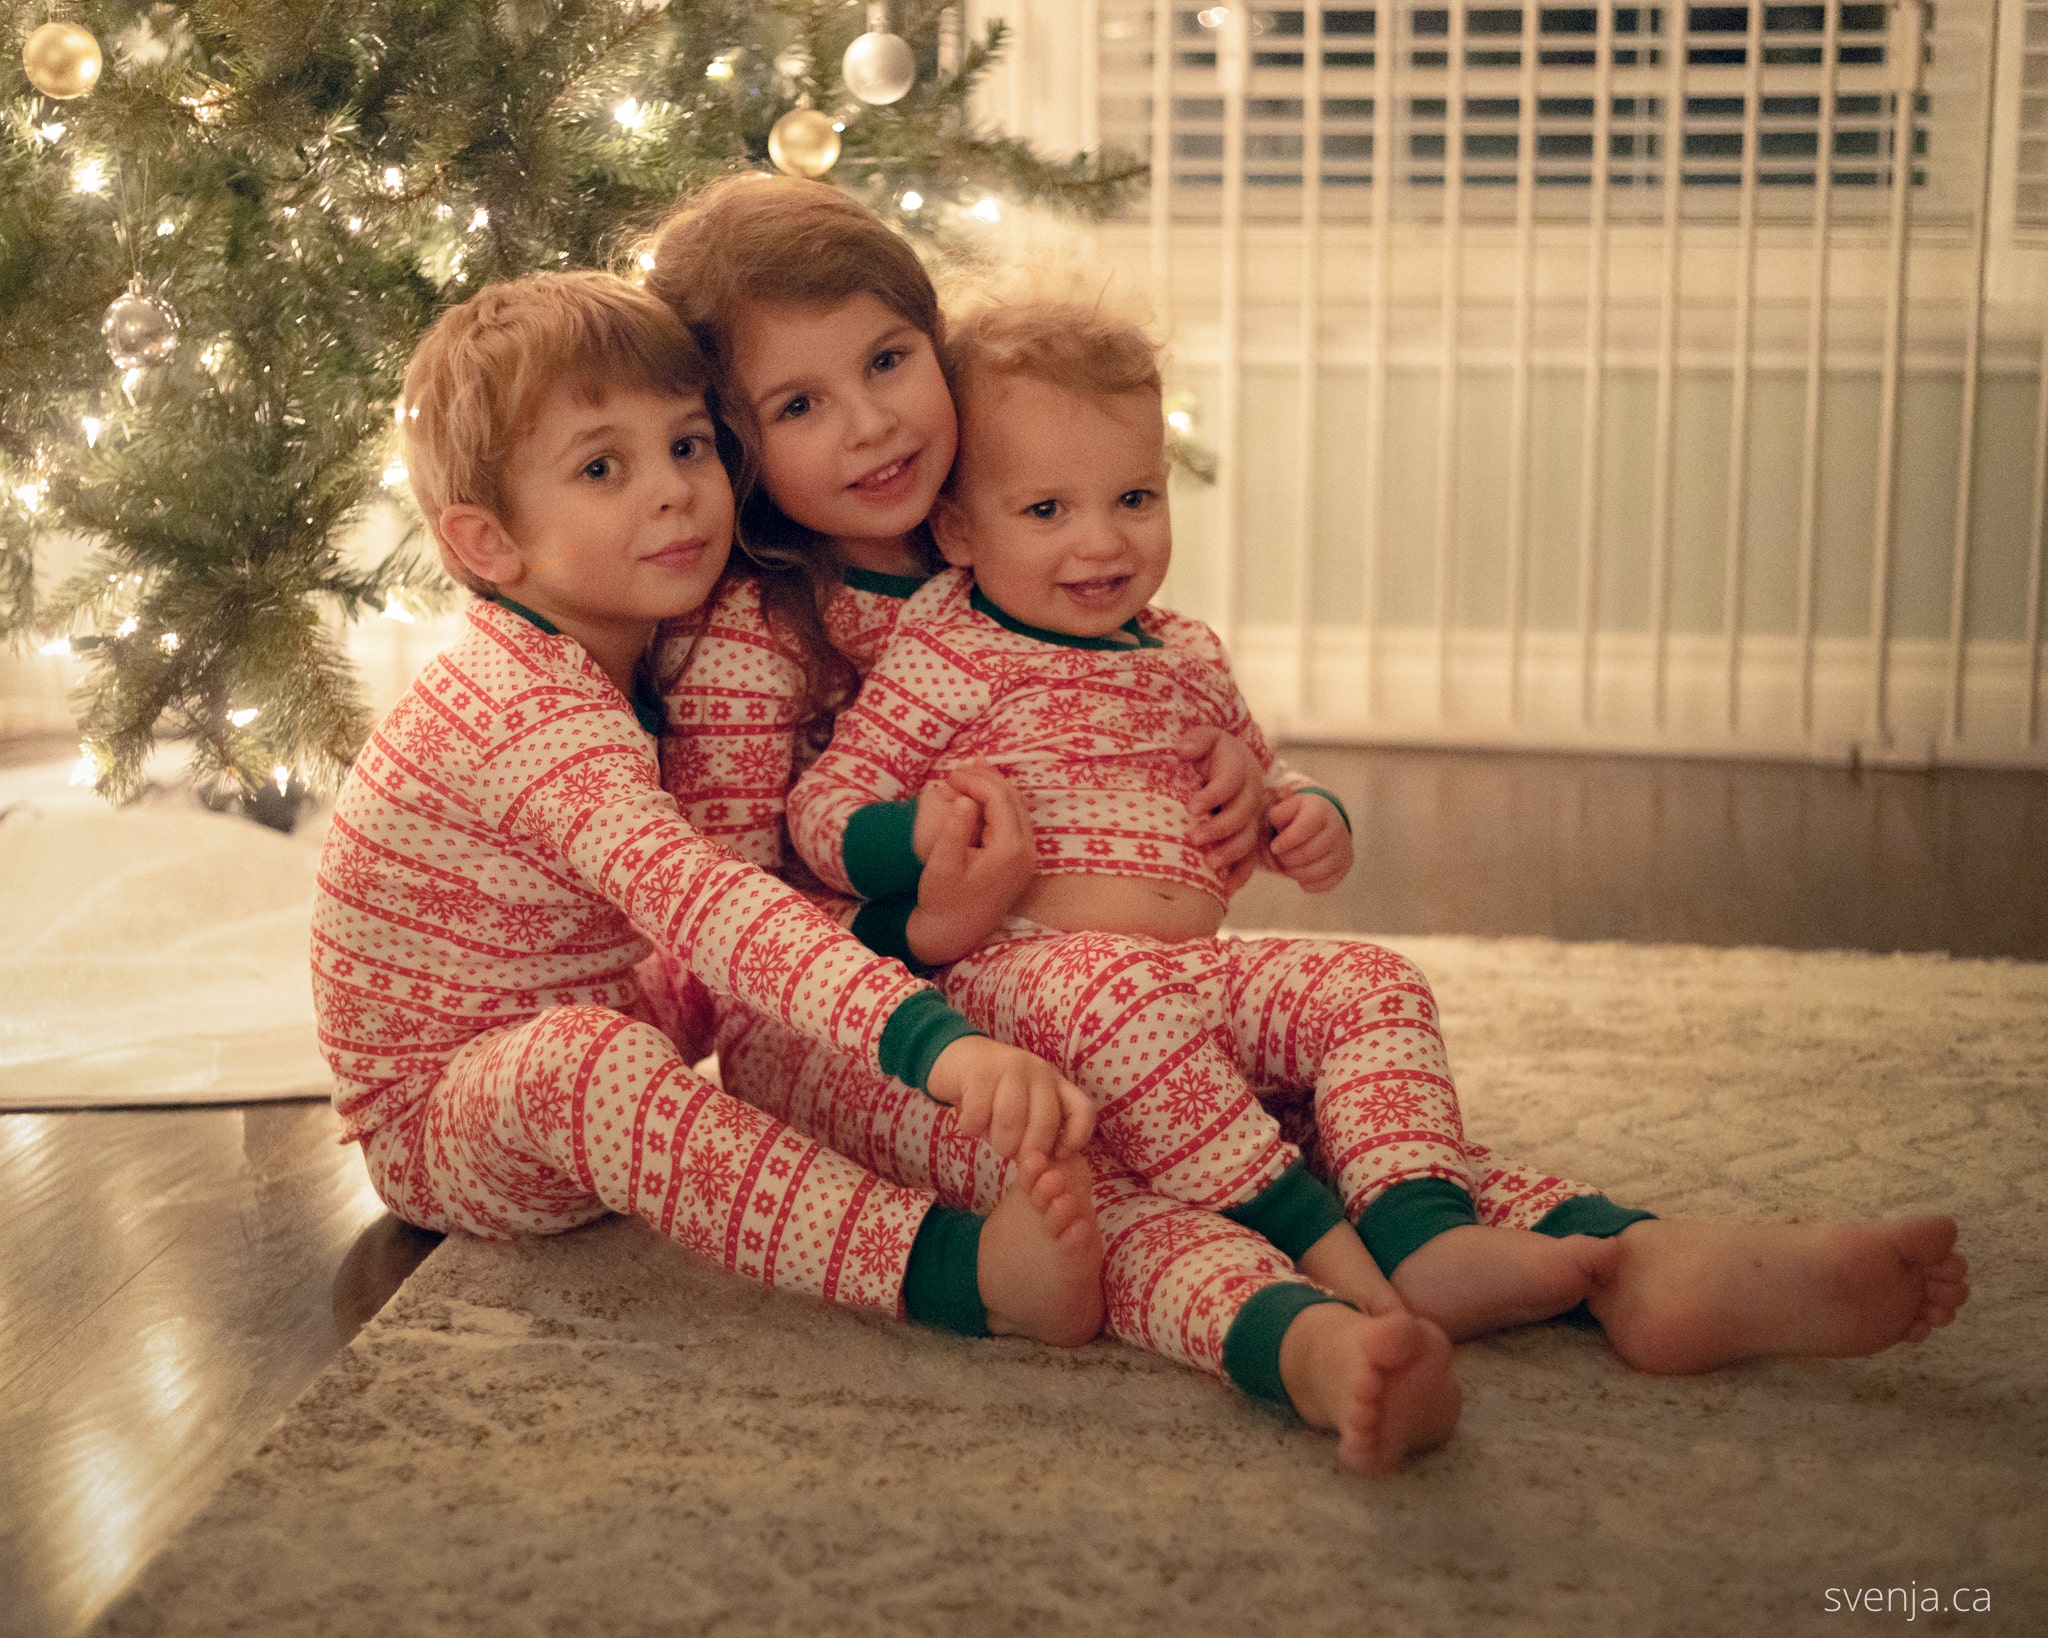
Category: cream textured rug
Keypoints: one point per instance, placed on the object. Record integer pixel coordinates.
(593, 1435)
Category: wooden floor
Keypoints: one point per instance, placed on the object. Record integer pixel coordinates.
(173, 1278)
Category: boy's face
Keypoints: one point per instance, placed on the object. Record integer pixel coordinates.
(857, 426)
(619, 511)
(1059, 504)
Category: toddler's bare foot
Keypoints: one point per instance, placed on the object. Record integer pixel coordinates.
(1040, 1267)
(1339, 1263)
(1382, 1381)
(1688, 1297)
(1476, 1279)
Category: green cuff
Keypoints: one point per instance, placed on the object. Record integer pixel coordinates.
(942, 1281)
(1592, 1214)
(916, 1033)
(1411, 1214)
(883, 925)
(1293, 1212)
(879, 859)
(1331, 798)
(1251, 1347)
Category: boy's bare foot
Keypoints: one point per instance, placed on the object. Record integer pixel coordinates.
(1382, 1381)
(1340, 1264)
(1476, 1279)
(1040, 1267)
(1688, 1297)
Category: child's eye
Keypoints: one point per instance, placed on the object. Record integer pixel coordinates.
(887, 359)
(691, 447)
(1044, 510)
(598, 470)
(799, 405)
(1133, 499)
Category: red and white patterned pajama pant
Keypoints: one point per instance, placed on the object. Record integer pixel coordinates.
(1175, 1275)
(547, 1125)
(1177, 1044)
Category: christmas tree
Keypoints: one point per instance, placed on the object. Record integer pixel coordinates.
(224, 224)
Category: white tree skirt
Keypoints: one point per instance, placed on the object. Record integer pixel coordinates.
(152, 954)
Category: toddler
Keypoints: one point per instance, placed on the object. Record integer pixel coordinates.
(502, 855)
(1040, 654)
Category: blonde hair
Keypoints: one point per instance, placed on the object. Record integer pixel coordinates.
(479, 374)
(1054, 325)
(750, 240)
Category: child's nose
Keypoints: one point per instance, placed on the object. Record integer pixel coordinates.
(869, 418)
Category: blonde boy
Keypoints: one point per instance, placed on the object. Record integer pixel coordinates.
(502, 857)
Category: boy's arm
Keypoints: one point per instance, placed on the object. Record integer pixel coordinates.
(577, 782)
(853, 815)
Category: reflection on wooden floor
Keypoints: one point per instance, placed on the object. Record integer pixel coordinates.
(174, 1278)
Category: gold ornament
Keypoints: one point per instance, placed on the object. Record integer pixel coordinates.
(62, 60)
(803, 143)
(140, 329)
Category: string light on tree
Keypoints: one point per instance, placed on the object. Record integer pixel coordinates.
(878, 67)
(62, 60)
(804, 142)
(140, 329)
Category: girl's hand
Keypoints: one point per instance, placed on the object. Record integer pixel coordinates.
(979, 861)
(1311, 844)
(1230, 808)
(1020, 1104)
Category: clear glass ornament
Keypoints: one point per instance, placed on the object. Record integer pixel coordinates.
(878, 67)
(140, 329)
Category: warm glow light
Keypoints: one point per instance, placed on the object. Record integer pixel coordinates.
(130, 380)
(913, 200)
(989, 210)
(479, 221)
(245, 716)
(210, 358)
(50, 132)
(128, 627)
(355, 224)
(283, 776)
(395, 610)
(166, 228)
(394, 179)
(394, 473)
(1214, 17)
(1180, 421)
(31, 495)
(720, 67)
(86, 770)
(647, 261)
(90, 176)
(93, 427)
(56, 647)
(168, 642)
(630, 114)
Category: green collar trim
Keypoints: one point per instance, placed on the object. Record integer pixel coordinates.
(884, 585)
(1063, 639)
(526, 613)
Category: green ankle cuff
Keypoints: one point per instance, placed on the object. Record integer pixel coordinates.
(1592, 1214)
(1410, 1215)
(1251, 1347)
(942, 1282)
(1292, 1212)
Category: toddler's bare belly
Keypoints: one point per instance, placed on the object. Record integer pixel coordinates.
(1121, 904)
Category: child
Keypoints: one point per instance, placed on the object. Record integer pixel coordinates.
(755, 257)
(1041, 655)
(502, 854)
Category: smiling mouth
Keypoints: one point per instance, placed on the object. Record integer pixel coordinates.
(1101, 590)
(680, 551)
(885, 475)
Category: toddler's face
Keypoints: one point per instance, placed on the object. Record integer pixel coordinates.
(620, 509)
(857, 426)
(1059, 504)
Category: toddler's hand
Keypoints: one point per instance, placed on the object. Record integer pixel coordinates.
(1311, 843)
(979, 861)
(1020, 1104)
(1230, 808)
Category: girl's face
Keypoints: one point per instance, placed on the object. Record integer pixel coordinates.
(857, 426)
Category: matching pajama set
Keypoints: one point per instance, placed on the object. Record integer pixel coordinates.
(501, 858)
(1182, 1280)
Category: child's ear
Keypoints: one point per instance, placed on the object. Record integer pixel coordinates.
(949, 528)
(481, 543)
